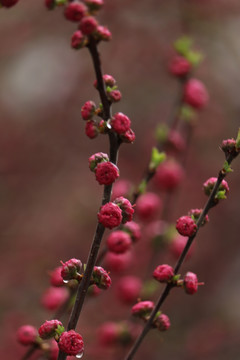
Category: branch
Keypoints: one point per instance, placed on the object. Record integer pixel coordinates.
(114, 146)
(209, 204)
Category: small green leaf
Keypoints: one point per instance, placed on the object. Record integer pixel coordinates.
(60, 2)
(183, 45)
(149, 288)
(194, 57)
(142, 187)
(161, 133)
(226, 167)
(175, 278)
(156, 159)
(238, 140)
(60, 329)
(187, 113)
(221, 195)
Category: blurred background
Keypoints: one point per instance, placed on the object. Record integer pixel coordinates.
(49, 198)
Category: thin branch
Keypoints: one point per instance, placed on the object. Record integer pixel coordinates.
(114, 146)
(209, 204)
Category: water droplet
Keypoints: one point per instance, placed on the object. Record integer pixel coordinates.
(80, 355)
(65, 281)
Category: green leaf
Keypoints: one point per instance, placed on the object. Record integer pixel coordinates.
(183, 45)
(221, 195)
(142, 187)
(187, 113)
(161, 133)
(194, 57)
(60, 2)
(149, 288)
(238, 140)
(156, 159)
(226, 167)
(60, 329)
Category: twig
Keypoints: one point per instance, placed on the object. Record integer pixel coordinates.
(114, 146)
(209, 204)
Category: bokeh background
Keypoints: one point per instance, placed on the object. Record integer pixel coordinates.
(48, 197)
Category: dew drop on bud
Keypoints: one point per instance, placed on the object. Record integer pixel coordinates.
(65, 281)
(80, 355)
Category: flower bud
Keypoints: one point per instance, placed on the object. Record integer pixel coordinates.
(142, 309)
(27, 335)
(96, 159)
(120, 123)
(71, 343)
(78, 40)
(179, 66)
(148, 206)
(91, 129)
(195, 94)
(106, 173)
(162, 322)
(75, 11)
(190, 283)
(101, 278)
(110, 215)
(126, 207)
(186, 226)
(88, 25)
(163, 273)
(119, 242)
(70, 269)
(103, 33)
(48, 329)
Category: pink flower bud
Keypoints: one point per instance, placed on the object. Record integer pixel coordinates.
(75, 11)
(128, 289)
(148, 206)
(119, 242)
(196, 213)
(110, 215)
(70, 269)
(108, 333)
(56, 277)
(77, 41)
(103, 33)
(120, 123)
(96, 159)
(93, 290)
(126, 207)
(179, 66)
(190, 283)
(108, 81)
(195, 94)
(8, 3)
(88, 25)
(163, 273)
(117, 262)
(142, 308)
(168, 175)
(71, 343)
(88, 110)
(121, 188)
(101, 278)
(176, 141)
(133, 229)
(162, 322)
(91, 129)
(128, 137)
(27, 335)
(209, 185)
(94, 5)
(114, 95)
(106, 173)
(48, 329)
(229, 147)
(186, 226)
(53, 298)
